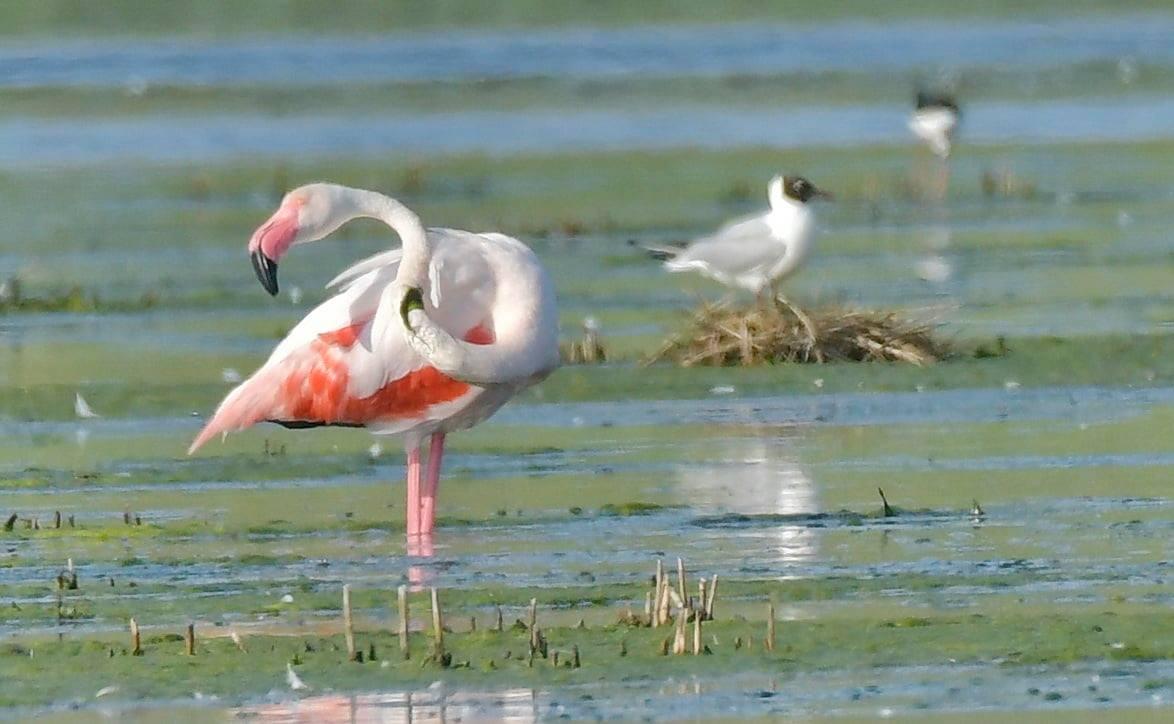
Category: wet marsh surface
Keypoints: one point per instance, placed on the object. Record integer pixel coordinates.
(1048, 263)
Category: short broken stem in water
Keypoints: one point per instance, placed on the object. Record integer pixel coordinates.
(402, 602)
(348, 628)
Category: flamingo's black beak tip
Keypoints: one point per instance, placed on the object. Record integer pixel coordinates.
(266, 270)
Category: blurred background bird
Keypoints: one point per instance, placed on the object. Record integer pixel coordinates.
(935, 120)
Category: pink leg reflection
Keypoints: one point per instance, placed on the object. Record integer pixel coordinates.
(420, 546)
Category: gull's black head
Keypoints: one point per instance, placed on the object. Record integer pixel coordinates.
(800, 189)
(936, 99)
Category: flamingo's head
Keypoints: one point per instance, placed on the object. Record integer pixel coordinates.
(307, 213)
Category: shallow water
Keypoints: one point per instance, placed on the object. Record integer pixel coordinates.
(171, 139)
(734, 49)
(1055, 223)
(961, 689)
(753, 487)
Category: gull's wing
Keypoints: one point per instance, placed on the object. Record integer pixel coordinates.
(745, 227)
(738, 248)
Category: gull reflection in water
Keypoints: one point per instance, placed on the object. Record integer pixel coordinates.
(433, 704)
(935, 266)
(758, 476)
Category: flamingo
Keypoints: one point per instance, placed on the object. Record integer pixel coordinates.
(418, 341)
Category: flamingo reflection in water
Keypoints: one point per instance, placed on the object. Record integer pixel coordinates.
(435, 703)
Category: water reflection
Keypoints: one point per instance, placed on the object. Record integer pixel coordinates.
(757, 476)
(176, 138)
(736, 50)
(420, 546)
(435, 703)
(934, 266)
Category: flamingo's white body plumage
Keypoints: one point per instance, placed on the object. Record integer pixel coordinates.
(481, 326)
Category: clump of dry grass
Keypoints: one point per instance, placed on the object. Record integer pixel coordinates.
(722, 335)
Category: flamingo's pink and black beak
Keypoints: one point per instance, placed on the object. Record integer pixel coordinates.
(266, 270)
(272, 240)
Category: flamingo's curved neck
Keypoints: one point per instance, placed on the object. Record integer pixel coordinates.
(413, 267)
(509, 358)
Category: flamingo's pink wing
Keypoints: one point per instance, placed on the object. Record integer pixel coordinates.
(346, 363)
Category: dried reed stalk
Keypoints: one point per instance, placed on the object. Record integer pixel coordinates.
(348, 624)
(401, 596)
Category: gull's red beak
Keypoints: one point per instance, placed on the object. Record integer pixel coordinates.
(271, 241)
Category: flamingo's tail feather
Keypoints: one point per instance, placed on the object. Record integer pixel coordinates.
(244, 407)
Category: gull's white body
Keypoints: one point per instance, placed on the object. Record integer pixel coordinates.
(754, 252)
(935, 126)
(487, 330)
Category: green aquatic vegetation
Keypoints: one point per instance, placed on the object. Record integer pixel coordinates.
(823, 520)
(1030, 362)
(629, 508)
(909, 622)
(110, 528)
(1099, 78)
(139, 17)
(1138, 652)
(129, 593)
(535, 195)
(76, 666)
(78, 300)
(241, 468)
(1143, 431)
(75, 299)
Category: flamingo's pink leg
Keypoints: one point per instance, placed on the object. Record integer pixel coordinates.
(431, 483)
(419, 577)
(412, 506)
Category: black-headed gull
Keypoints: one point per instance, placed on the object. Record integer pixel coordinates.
(756, 252)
